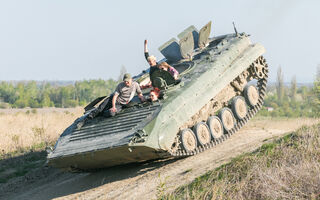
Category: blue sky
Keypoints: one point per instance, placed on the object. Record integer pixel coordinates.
(76, 39)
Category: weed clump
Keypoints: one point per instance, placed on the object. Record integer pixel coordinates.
(34, 111)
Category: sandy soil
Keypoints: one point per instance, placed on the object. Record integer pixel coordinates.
(142, 181)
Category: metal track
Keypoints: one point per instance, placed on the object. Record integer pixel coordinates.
(261, 85)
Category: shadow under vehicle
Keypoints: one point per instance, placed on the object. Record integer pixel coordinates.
(221, 87)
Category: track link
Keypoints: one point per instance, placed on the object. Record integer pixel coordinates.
(261, 85)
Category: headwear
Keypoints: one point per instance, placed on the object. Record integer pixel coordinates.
(126, 77)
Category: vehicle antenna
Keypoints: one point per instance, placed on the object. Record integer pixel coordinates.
(235, 29)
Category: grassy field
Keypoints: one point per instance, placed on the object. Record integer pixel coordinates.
(287, 168)
(24, 129)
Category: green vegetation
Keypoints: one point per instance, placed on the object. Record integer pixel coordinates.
(36, 95)
(302, 105)
(291, 100)
(287, 168)
(162, 187)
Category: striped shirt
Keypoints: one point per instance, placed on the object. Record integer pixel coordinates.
(126, 93)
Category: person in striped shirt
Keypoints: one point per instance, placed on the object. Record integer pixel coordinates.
(123, 94)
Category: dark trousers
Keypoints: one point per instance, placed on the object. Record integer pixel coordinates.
(104, 108)
(105, 105)
(109, 113)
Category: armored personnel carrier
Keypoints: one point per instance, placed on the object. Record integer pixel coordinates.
(221, 86)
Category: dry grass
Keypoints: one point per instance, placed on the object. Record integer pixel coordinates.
(288, 168)
(25, 128)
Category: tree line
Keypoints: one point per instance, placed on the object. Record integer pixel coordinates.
(43, 94)
(282, 100)
(290, 100)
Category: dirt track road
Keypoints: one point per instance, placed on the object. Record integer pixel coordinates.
(141, 181)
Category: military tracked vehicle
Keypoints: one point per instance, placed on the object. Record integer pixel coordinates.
(221, 86)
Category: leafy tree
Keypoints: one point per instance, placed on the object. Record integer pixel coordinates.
(316, 97)
(293, 88)
(8, 93)
(318, 72)
(280, 85)
(42, 94)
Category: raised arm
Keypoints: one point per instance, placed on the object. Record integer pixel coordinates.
(146, 52)
(146, 46)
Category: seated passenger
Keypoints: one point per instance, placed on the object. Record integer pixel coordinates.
(165, 66)
(123, 94)
(155, 71)
(154, 94)
(151, 59)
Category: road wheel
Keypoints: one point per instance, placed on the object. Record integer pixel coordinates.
(202, 132)
(227, 119)
(239, 107)
(251, 95)
(215, 126)
(188, 140)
